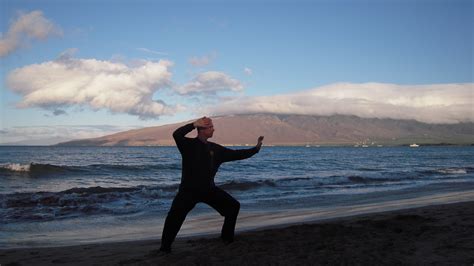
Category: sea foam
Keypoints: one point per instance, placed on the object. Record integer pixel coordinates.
(16, 167)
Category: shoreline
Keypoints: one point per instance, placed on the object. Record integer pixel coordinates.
(209, 222)
(440, 232)
(258, 220)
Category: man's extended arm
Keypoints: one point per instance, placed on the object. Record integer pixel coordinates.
(232, 155)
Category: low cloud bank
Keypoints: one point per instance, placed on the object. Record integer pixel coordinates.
(438, 103)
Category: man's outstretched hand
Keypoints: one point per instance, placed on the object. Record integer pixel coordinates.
(202, 122)
(259, 142)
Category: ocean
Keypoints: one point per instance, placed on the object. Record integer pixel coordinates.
(72, 195)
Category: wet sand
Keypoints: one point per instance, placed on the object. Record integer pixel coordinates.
(438, 234)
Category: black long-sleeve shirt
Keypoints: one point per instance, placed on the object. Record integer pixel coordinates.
(201, 160)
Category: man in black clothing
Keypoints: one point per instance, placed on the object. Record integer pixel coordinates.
(201, 159)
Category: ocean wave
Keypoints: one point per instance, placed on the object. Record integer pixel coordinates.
(246, 185)
(15, 167)
(85, 201)
(311, 182)
(292, 179)
(367, 169)
(146, 167)
(358, 179)
(34, 169)
(314, 182)
(81, 201)
(99, 190)
(40, 170)
(452, 171)
(448, 171)
(372, 180)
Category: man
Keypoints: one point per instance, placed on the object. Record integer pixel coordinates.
(200, 161)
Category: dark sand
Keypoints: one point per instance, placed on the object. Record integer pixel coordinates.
(438, 235)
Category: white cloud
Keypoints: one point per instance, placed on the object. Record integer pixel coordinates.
(248, 71)
(67, 81)
(437, 103)
(45, 135)
(27, 27)
(210, 82)
(203, 60)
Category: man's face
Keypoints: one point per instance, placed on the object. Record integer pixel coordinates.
(208, 131)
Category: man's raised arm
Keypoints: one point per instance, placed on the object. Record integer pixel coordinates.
(179, 135)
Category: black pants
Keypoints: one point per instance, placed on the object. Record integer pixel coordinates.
(185, 201)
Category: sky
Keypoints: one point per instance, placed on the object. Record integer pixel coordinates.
(79, 69)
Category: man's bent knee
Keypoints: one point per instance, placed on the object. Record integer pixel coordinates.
(234, 211)
(177, 213)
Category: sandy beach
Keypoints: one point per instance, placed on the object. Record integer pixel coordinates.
(437, 234)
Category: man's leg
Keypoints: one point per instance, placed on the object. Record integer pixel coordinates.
(182, 204)
(228, 207)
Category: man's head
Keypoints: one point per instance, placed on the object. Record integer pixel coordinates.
(206, 132)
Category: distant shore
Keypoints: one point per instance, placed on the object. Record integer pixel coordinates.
(437, 234)
(299, 130)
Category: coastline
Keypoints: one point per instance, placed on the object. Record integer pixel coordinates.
(431, 229)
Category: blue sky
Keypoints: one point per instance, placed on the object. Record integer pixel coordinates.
(260, 56)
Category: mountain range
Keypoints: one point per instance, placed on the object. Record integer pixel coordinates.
(299, 130)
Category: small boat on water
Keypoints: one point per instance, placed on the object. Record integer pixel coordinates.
(414, 145)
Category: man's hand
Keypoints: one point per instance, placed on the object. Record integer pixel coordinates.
(202, 122)
(259, 142)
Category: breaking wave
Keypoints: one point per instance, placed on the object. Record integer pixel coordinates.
(448, 171)
(34, 168)
(40, 170)
(452, 171)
